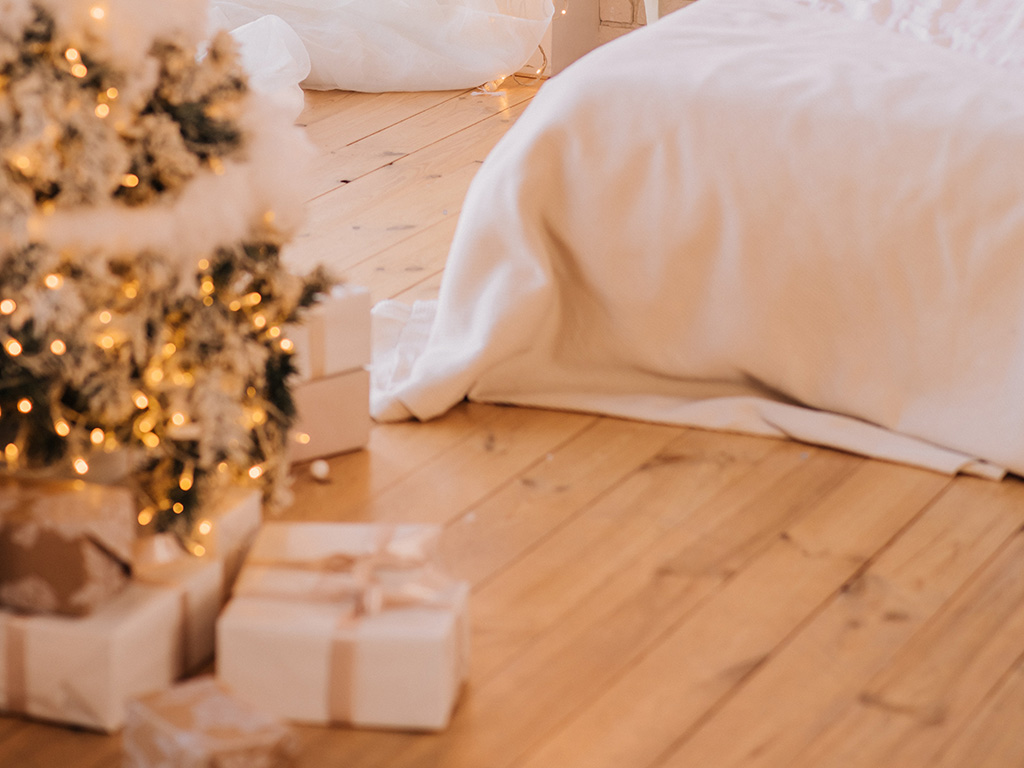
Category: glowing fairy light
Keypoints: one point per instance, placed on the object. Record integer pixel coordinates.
(130, 290)
(170, 348)
(107, 341)
(22, 162)
(178, 508)
(79, 70)
(287, 345)
(72, 54)
(105, 317)
(53, 281)
(102, 110)
(259, 321)
(129, 181)
(12, 347)
(204, 264)
(80, 465)
(7, 306)
(97, 12)
(302, 438)
(150, 440)
(198, 550)
(11, 453)
(146, 516)
(256, 472)
(185, 482)
(58, 347)
(205, 527)
(254, 298)
(178, 419)
(140, 400)
(235, 305)
(273, 332)
(112, 93)
(62, 428)
(97, 436)
(24, 405)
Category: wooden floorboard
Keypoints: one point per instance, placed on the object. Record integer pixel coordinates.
(644, 596)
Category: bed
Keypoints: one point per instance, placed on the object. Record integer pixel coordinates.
(757, 216)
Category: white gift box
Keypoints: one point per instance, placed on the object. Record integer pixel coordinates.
(228, 527)
(333, 416)
(161, 561)
(334, 336)
(332, 387)
(298, 641)
(84, 670)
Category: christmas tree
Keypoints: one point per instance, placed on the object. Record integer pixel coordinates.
(145, 193)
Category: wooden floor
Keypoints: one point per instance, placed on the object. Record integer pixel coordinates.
(645, 596)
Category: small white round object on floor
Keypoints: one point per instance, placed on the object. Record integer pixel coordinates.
(320, 470)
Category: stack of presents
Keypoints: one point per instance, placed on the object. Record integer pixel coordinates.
(277, 622)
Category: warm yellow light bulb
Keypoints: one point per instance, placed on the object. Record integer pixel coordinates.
(140, 400)
(178, 507)
(11, 452)
(81, 466)
(112, 93)
(150, 440)
(302, 438)
(96, 436)
(53, 281)
(130, 290)
(22, 163)
(155, 375)
(7, 306)
(205, 527)
(13, 347)
(25, 405)
(185, 482)
(287, 345)
(274, 331)
(58, 347)
(62, 428)
(255, 472)
(259, 321)
(72, 54)
(107, 341)
(178, 419)
(146, 516)
(79, 70)
(198, 550)
(254, 298)
(105, 316)
(97, 12)
(129, 180)
(235, 305)
(102, 110)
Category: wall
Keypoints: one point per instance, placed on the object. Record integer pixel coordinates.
(620, 16)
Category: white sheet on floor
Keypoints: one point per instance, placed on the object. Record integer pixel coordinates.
(750, 216)
(399, 45)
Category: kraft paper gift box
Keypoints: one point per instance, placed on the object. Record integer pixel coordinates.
(160, 560)
(343, 623)
(332, 387)
(197, 724)
(65, 546)
(233, 519)
(84, 670)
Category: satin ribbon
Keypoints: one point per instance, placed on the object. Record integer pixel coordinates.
(365, 596)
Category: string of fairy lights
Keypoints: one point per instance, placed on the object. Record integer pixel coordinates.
(185, 377)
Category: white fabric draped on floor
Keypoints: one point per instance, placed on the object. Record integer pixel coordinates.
(385, 45)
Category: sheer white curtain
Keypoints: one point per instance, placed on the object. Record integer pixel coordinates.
(395, 45)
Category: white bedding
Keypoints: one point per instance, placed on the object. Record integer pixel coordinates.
(751, 216)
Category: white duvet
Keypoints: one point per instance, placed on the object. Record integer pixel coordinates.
(751, 216)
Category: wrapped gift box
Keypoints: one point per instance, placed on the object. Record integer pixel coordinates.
(346, 623)
(84, 670)
(335, 335)
(160, 560)
(228, 528)
(65, 547)
(333, 416)
(332, 388)
(198, 724)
